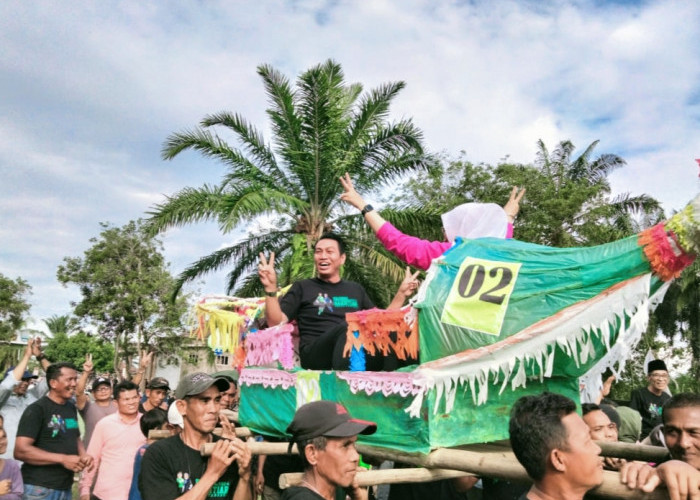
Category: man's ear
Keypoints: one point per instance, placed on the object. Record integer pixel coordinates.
(558, 460)
(342, 259)
(181, 406)
(311, 454)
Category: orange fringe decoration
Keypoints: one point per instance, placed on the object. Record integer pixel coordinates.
(376, 327)
(665, 256)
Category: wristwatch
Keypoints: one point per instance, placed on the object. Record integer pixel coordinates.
(368, 208)
(271, 294)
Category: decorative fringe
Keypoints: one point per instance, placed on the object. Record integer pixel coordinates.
(665, 255)
(382, 330)
(268, 378)
(271, 345)
(223, 320)
(686, 228)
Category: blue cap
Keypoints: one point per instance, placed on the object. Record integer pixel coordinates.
(25, 376)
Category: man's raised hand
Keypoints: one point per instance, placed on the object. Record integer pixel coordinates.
(266, 272)
(410, 283)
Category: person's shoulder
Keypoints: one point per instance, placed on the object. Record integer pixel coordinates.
(163, 446)
(299, 493)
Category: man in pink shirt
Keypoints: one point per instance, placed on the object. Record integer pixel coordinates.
(113, 446)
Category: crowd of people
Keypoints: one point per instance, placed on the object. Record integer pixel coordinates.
(115, 457)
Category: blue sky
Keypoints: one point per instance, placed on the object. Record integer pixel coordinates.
(91, 91)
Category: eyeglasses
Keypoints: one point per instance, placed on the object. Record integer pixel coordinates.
(662, 376)
(103, 388)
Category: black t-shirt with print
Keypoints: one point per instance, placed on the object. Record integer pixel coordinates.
(54, 428)
(649, 407)
(170, 469)
(319, 306)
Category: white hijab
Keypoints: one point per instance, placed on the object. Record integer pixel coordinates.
(475, 220)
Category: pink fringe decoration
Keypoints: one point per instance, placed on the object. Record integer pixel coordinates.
(271, 345)
(388, 383)
(665, 256)
(268, 378)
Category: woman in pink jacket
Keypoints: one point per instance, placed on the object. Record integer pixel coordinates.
(469, 220)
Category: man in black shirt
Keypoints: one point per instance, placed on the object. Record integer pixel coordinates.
(174, 467)
(553, 443)
(48, 438)
(649, 400)
(319, 304)
(325, 435)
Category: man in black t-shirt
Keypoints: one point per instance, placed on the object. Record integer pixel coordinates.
(325, 435)
(48, 438)
(174, 466)
(319, 304)
(649, 400)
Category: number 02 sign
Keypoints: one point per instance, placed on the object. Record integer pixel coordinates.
(479, 296)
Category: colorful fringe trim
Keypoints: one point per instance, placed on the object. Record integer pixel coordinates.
(223, 320)
(666, 256)
(271, 345)
(382, 330)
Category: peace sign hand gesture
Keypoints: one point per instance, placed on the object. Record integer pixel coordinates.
(267, 274)
(410, 283)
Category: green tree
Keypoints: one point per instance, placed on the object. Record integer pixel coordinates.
(568, 199)
(73, 348)
(13, 305)
(321, 128)
(60, 324)
(126, 288)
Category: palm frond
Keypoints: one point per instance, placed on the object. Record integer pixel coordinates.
(188, 206)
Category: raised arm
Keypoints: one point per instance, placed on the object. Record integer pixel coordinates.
(39, 354)
(268, 277)
(352, 197)
(80, 396)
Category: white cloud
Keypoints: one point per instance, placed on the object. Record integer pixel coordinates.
(91, 92)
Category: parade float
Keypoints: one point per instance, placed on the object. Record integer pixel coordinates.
(493, 320)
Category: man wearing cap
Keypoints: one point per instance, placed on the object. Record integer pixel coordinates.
(325, 435)
(103, 404)
(15, 394)
(174, 467)
(156, 390)
(649, 400)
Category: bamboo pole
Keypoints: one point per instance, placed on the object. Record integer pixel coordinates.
(631, 451)
(256, 448)
(385, 476)
(501, 465)
(241, 432)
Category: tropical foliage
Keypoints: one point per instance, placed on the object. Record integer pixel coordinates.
(322, 127)
(73, 348)
(126, 288)
(13, 305)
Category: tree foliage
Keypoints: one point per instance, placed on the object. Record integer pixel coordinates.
(126, 288)
(13, 305)
(322, 127)
(73, 348)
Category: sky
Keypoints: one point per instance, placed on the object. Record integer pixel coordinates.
(90, 91)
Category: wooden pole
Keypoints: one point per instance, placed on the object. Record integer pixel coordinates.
(385, 476)
(631, 451)
(256, 448)
(241, 432)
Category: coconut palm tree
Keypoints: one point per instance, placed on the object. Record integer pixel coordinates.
(322, 127)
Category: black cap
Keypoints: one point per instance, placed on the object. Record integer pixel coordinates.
(100, 381)
(327, 418)
(158, 383)
(197, 383)
(656, 364)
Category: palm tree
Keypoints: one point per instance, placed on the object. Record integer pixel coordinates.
(321, 128)
(568, 199)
